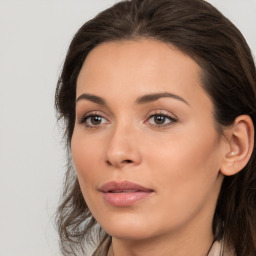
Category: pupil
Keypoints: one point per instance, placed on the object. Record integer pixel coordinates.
(96, 120)
(159, 119)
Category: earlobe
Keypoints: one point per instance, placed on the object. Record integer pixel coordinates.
(241, 142)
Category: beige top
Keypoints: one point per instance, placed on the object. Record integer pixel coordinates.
(218, 249)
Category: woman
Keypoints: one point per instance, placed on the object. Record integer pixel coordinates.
(159, 103)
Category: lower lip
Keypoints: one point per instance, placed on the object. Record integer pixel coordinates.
(125, 199)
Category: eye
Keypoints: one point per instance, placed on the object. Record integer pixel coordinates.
(93, 120)
(161, 120)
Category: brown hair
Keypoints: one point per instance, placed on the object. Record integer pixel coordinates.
(202, 32)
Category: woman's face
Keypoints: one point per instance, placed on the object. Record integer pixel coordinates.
(142, 117)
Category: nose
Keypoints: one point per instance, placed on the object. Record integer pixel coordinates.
(123, 149)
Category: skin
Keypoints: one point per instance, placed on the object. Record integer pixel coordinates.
(180, 161)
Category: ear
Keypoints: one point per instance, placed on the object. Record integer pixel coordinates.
(241, 142)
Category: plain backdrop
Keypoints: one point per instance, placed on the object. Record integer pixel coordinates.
(34, 36)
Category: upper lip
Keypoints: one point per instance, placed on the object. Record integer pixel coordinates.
(114, 186)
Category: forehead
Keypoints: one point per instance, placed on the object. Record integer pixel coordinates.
(139, 67)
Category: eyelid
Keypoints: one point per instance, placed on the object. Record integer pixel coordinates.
(173, 118)
(84, 117)
(162, 112)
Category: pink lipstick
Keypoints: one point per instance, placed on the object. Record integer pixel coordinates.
(124, 193)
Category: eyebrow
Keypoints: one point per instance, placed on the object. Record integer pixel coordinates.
(92, 98)
(141, 100)
(155, 96)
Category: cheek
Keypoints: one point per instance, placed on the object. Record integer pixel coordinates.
(186, 167)
(85, 156)
(184, 156)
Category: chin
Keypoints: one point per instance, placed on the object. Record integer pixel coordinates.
(131, 234)
(129, 226)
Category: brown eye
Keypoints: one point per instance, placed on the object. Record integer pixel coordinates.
(92, 121)
(95, 120)
(161, 120)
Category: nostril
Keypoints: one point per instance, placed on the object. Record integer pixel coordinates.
(127, 161)
(121, 163)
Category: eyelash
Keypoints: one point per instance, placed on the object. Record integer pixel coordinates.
(172, 120)
(85, 118)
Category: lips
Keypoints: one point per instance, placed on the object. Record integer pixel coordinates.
(119, 187)
(124, 193)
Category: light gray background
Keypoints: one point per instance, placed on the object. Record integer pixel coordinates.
(34, 36)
